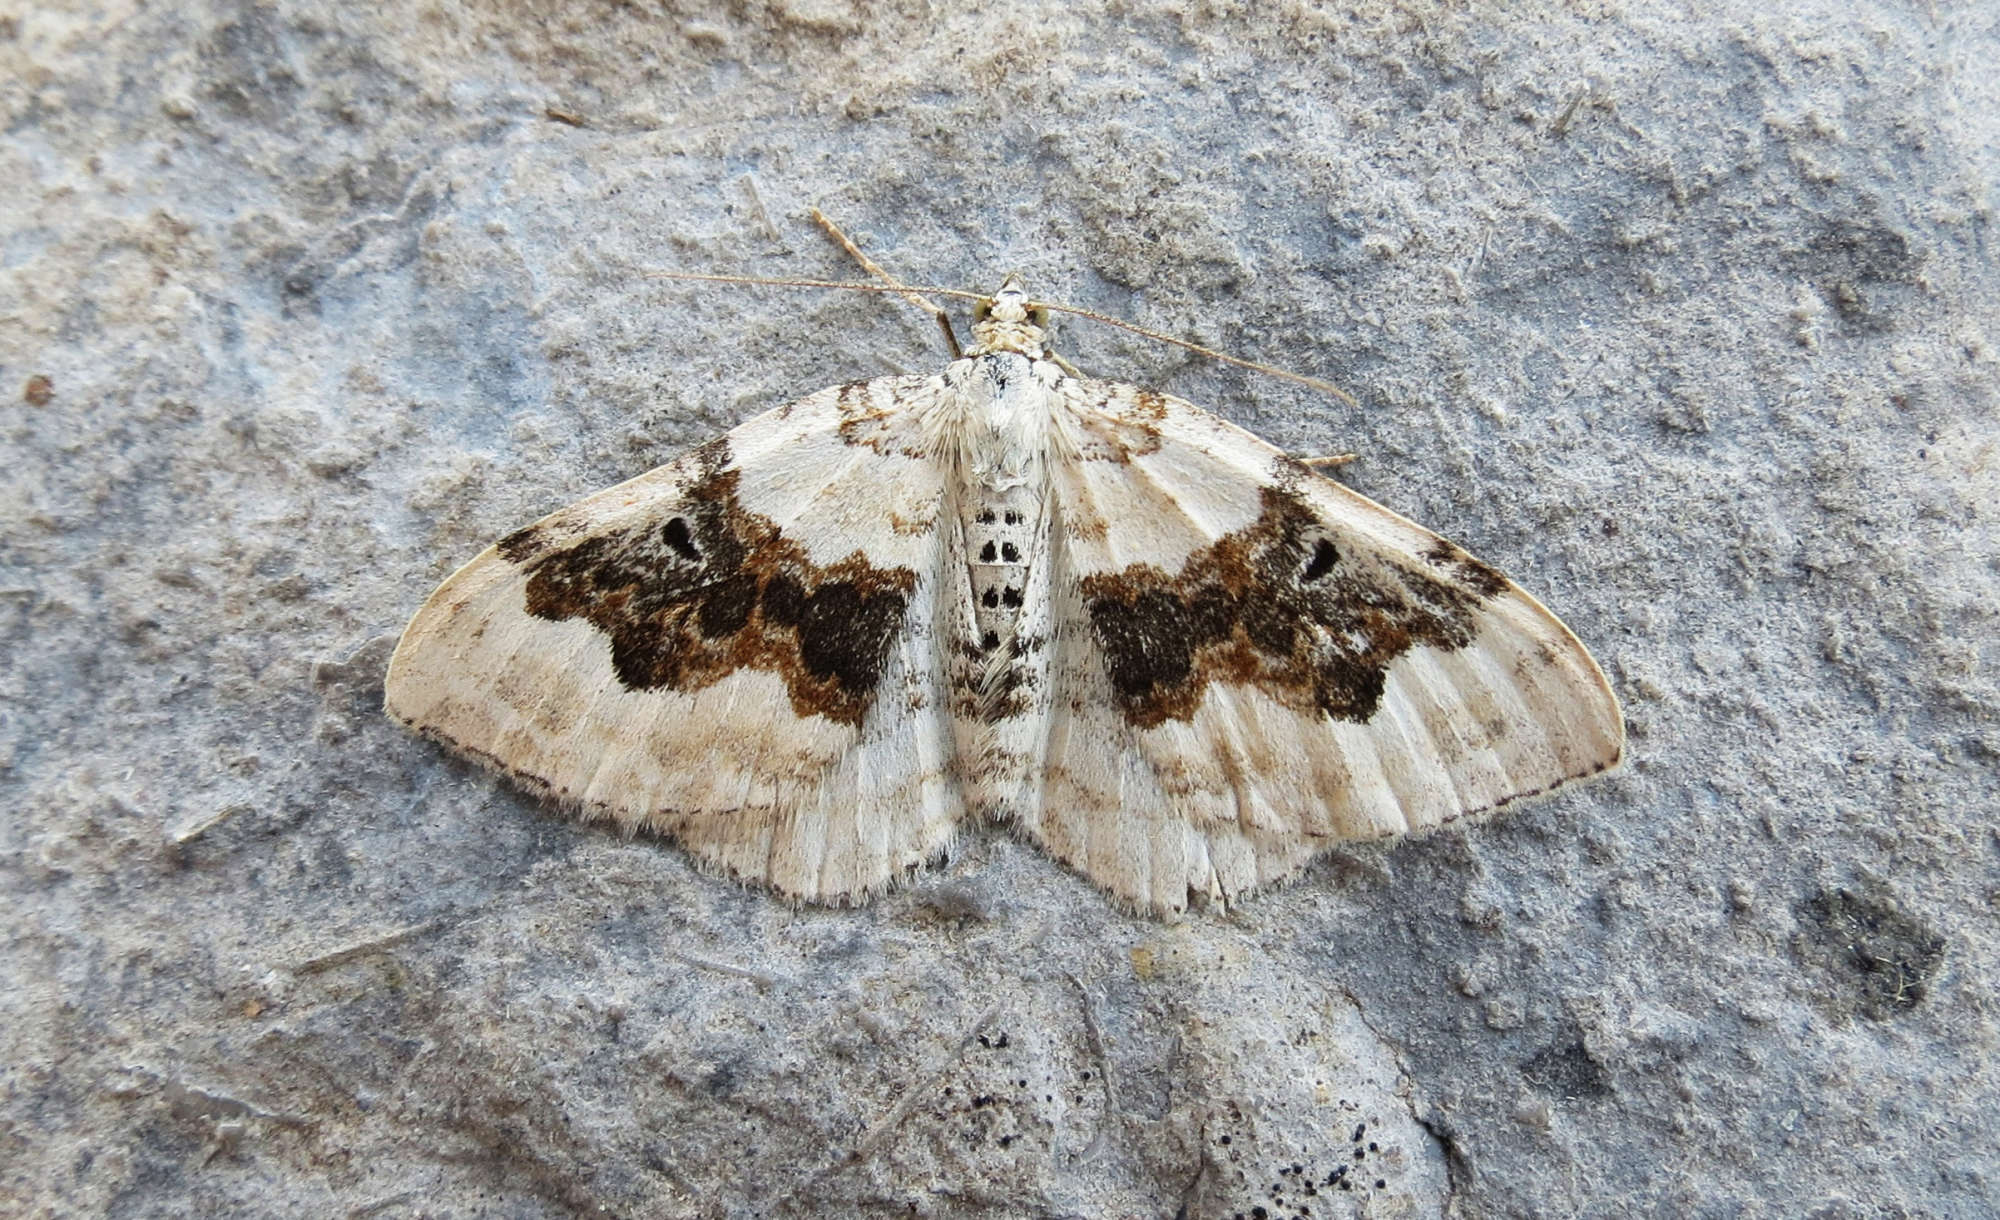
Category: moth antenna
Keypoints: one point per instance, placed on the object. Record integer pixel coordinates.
(869, 265)
(908, 290)
(851, 285)
(1324, 386)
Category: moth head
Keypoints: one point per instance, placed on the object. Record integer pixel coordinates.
(1008, 321)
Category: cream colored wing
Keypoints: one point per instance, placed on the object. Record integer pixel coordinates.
(1256, 663)
(735, 650)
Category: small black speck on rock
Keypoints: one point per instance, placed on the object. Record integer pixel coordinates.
(1567, 1069)
(1877, 959)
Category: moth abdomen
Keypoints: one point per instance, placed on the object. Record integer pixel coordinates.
(1001, 531)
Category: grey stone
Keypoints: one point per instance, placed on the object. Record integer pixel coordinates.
(1688, 322)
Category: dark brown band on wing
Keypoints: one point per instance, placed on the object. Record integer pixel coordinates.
(687, 599)
(1284, 606)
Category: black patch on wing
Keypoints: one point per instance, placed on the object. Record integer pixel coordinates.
(689, 598)
(1280, 606)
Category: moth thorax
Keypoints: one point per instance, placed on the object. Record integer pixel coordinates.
(995, 335)
(1007, 322)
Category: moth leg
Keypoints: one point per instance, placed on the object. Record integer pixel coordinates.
(1068, 369)
(944, 324)
(874, 269)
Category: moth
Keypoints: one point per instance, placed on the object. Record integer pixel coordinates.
(814, 650)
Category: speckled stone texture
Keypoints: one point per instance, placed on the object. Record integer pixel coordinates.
(1689, 323)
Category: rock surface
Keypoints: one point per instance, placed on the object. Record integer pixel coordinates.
(1690, 324)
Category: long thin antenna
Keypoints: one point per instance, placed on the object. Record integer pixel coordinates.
(853, 285)
(907, 291)
(1198, 349)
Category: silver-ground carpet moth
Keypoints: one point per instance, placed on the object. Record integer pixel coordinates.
(813, 650)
